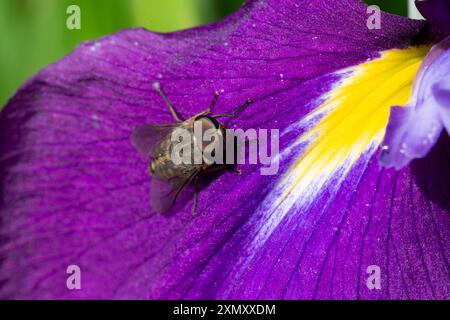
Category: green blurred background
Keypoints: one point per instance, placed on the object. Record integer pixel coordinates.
(33, 33)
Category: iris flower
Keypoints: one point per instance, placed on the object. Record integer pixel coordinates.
(74, 191)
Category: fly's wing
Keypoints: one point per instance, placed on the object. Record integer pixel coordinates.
(163, 194)
(147, 137)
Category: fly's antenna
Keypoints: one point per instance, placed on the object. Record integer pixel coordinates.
(157, 87)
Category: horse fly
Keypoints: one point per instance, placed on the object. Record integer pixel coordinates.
(170, 178)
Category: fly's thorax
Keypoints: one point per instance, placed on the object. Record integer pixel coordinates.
(205, 135)
(211, 138)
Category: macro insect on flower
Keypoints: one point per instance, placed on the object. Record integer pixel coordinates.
(74, 191)
(169, 177)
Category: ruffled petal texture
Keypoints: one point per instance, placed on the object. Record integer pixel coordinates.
(413, 130)
(437, 12)
(74, 191)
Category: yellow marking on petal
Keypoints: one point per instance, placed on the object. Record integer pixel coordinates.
(353, 117)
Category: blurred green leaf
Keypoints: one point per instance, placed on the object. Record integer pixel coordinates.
(399, 7)
(34, 32)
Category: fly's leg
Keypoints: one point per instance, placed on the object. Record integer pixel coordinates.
(236, 171)
(157, 87)
(234, 114)
(210, 108)
(196, 191)
(224, 167)
(213, 103)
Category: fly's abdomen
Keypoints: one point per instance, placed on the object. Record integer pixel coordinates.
(164, 169)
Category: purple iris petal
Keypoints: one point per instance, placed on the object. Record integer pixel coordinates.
(437, 12)
(74, 191)
(413, 130)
